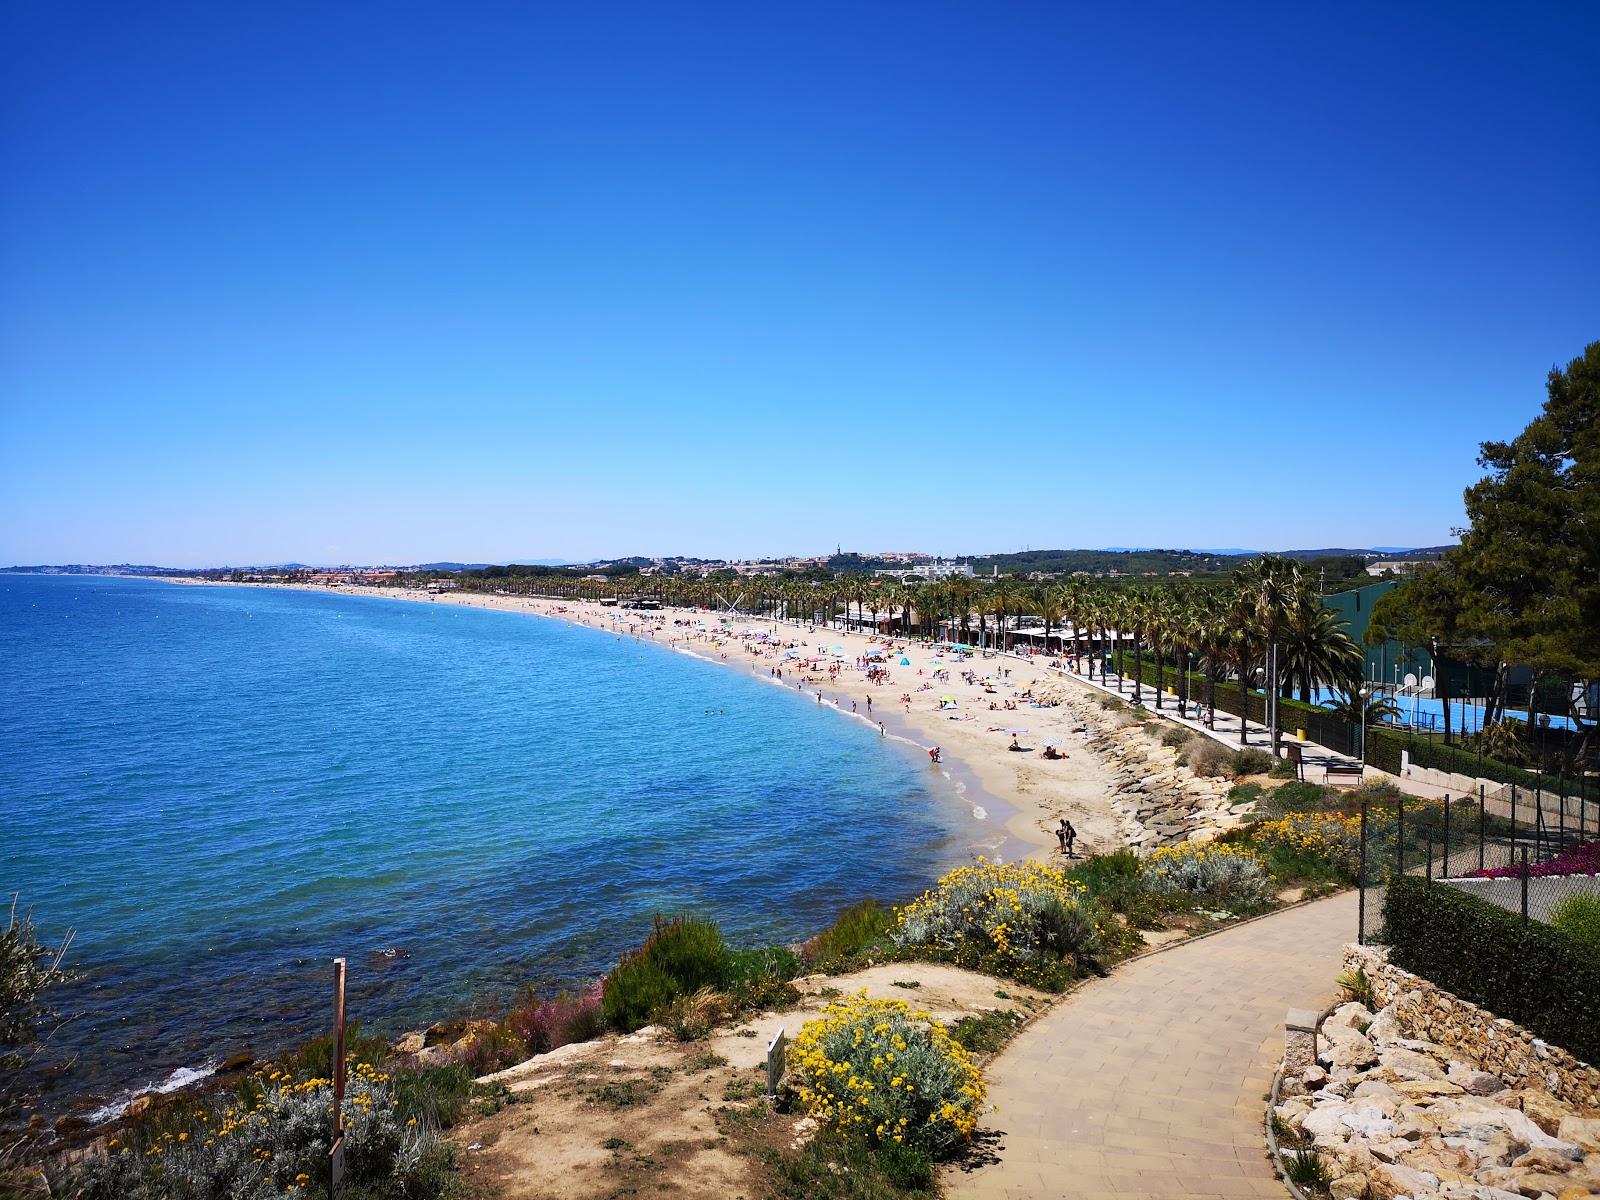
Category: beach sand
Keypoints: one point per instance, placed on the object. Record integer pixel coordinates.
(1033, 793)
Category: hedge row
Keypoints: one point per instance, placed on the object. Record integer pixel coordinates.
(1537, 976)
(1427, 753)
(1321, 726)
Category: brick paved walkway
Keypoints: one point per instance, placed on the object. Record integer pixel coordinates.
(1152, 1082)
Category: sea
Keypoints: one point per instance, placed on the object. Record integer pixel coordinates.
(218, 790)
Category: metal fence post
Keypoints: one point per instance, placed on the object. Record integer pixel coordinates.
(1400, 836)
(1427, 870)
(1361, 880)
(1445, 871)
(1514, 790)
(1524, 885)
(1483, 824)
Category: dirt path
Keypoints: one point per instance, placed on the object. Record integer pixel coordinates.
(1152, 1081)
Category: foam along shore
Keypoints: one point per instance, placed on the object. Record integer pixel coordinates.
(972, 708)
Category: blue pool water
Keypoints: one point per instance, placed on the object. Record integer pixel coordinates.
(219, 789)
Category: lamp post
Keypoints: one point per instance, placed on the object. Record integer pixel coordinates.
(1365, 692)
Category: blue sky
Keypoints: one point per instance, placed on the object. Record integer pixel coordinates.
(479, 281)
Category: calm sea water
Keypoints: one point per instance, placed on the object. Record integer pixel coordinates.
(220, 789)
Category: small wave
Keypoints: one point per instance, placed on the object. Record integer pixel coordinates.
(181, 1078)
(980, 813)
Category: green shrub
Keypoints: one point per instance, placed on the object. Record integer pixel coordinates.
(680, 956)
(1249, 762)
(1357, 985)
(1101, 873)
(987, 1032)
(1174, 735)
(435, 1096)
(1533, 974)
(760, 978)
(1282, 768)
(1115, 883)
(689, 951)
(1298, 797)
(1245, 793)
(836, 1166)
(1578, 917)
(861, 925)
(634, 992)
(1306, 1169)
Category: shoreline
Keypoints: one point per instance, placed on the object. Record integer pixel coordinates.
(1017, 796)
(1024, 795)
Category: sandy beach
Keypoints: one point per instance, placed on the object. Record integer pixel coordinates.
(969, 709)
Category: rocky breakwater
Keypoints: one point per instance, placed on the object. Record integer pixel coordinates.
(1394, 1116)
(1156, 801)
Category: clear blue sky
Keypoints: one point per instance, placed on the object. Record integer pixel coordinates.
(406, 282)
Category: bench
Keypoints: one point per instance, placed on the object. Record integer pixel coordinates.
(1343, 773)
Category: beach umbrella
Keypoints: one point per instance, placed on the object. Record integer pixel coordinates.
(1012, 729)
(905, 662)
(947, 699)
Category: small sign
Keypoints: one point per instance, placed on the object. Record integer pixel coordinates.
(336, 1169)
(777, 1062)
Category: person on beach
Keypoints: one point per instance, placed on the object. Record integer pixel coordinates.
(1066, 835)
(882, 732)
(933, 754)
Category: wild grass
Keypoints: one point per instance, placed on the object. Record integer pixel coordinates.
(987, 1032)
(679, 957)
(834, 1167)
(863, 926)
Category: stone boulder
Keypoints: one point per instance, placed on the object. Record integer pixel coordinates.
(1474, 1081)
(1409, 1065)
(1391, 1181)
(1581, 1131)
(1544, 1110)
(1342, 1046)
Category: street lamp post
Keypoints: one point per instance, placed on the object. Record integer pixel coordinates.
(1365, 692)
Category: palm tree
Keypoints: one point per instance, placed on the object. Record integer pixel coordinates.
(1271, 581)
(1241, 644)
(1047, 607)
(1316, 650)
(1161, 619)
(1352, 707)
(1137, 609)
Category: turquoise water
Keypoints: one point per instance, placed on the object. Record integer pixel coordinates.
(220, 789)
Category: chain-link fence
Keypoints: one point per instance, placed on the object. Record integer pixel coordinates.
(1523, 849)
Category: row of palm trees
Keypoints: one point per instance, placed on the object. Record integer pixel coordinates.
(1264, 624)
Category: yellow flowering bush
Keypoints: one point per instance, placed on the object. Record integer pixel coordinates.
(880, 1070)
(1219, 872)
(1009, 917)
(270, 1142)
(1333, 837)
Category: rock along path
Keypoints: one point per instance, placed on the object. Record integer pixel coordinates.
(1152, 1082)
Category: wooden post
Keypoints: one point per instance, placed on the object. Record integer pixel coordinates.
(1361, 880)
(336, 1153)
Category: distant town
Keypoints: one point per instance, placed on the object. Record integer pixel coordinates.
(1335, 565)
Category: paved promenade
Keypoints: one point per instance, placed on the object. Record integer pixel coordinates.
(1152, 1082)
